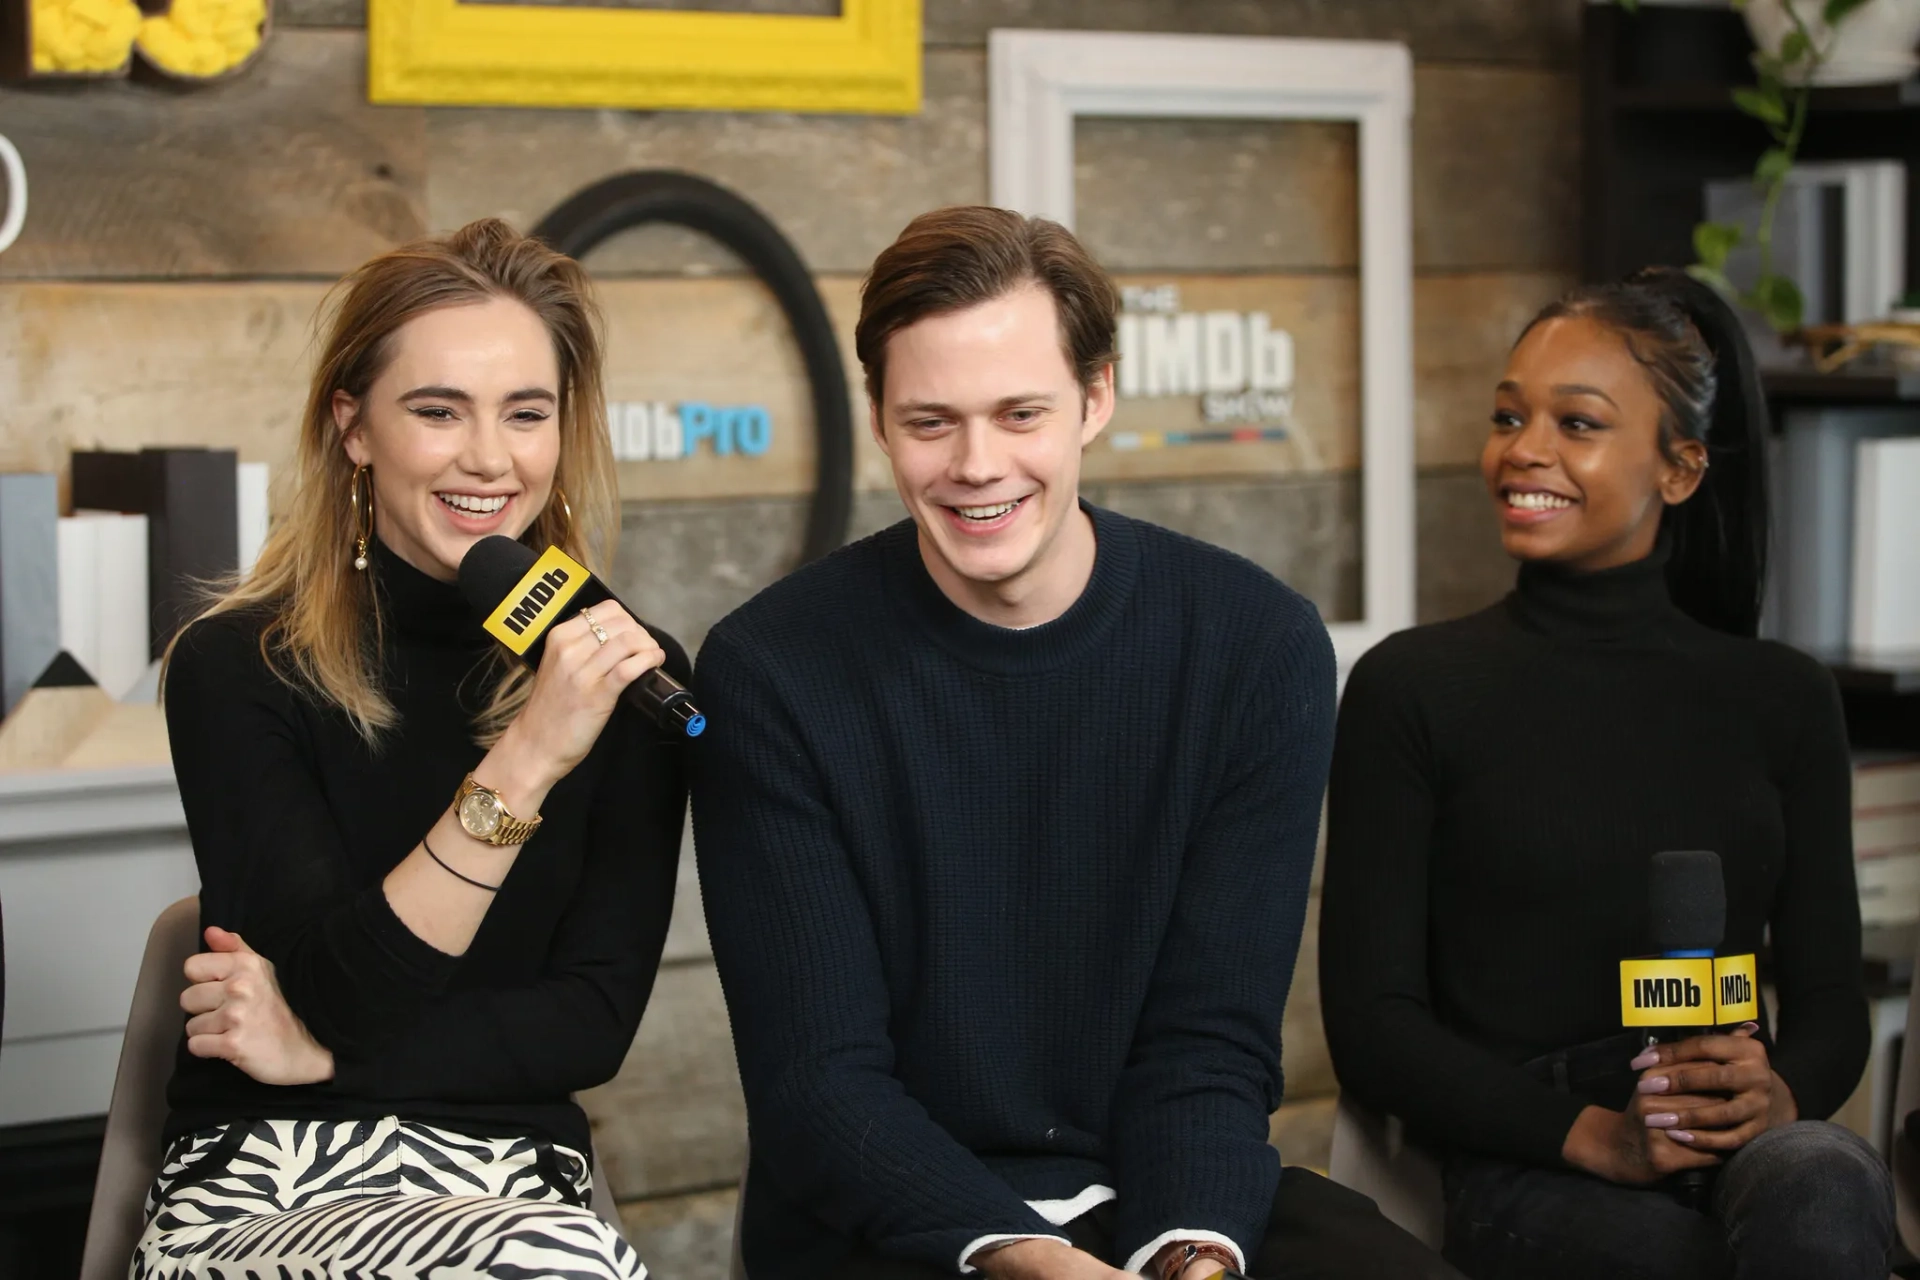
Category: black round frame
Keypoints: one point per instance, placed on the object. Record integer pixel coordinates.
(628, 200)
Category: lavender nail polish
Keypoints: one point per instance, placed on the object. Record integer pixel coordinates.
(1663, 1120)
(1654, 1084)
(1679, 1135)
(1644, 1061)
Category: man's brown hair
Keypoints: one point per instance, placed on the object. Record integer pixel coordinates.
(959, 257)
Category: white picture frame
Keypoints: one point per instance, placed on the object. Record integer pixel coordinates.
(1041, 81)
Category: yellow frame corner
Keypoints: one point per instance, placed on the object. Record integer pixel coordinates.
(452, 53)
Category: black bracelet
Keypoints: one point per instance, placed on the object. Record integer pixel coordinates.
(478, 884)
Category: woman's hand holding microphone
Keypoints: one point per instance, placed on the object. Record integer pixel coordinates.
(589, 661)
(1698, 1101)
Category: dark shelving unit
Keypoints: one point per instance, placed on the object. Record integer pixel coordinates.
(1659, 123)
(1854, 384)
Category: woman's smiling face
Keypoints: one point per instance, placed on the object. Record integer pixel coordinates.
(461, 430)
(1575, 464)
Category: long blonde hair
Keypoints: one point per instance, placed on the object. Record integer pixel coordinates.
(323, 635)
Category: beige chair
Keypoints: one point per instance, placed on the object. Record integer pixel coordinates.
(737, 1263)
(1900, 1152)
(130, 1153)
(1372, 1155)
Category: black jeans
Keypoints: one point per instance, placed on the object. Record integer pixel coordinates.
(1805, 1200)
(1318, 1230)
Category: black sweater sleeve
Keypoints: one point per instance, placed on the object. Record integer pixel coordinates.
(1824, 1036)
(269, 852)
(1388, 1047)
(570, 1028)
(1190, 1110)
(798, 960)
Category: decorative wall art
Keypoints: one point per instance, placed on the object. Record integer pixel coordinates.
(1220, 375)
(681, 449)
(183, 41)
(456, 52)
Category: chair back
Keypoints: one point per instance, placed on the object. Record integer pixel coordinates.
(130, 1153)
(1372, 1155)
(1900, 1152)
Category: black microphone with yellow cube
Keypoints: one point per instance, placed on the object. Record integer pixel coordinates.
(1686, 989)
(523, 596)
(1686, 985)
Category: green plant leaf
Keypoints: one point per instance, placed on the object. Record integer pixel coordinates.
(1838, 9)
(1795, 47)
(1778, 299)
(1631, 6)
(1717, 279)
(1762, 104)
(1773, 166)
(1713, 241)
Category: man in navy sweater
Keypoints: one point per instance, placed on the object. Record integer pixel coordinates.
(1005, 823)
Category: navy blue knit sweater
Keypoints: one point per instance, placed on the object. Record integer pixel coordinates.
(1003, 914)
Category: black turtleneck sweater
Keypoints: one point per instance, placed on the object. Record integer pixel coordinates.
(295, 821)
(1005, 914)
(1499, 787)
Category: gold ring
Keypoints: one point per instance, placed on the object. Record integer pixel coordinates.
(599, 632)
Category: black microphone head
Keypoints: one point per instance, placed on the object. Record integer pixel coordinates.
(1686, 899)
(491, 568)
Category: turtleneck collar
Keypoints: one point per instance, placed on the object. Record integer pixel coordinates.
(1026, 650)
(419, 609)
(1624, 601)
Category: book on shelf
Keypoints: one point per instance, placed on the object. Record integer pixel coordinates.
(1886, 548)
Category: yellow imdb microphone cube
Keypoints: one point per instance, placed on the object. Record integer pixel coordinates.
(1691, 991)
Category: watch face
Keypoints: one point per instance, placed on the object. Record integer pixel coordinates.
(480, 814)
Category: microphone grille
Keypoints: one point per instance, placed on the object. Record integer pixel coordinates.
(490, 569)
(1686, 901)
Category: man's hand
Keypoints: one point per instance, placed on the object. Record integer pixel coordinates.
(240, 1015)
(1042, 1259)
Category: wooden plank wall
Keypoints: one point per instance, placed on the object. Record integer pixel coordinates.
(179, 242)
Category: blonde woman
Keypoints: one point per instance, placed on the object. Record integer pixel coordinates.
(434, 887)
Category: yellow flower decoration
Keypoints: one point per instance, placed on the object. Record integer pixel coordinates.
(83, 36)
(203, 37)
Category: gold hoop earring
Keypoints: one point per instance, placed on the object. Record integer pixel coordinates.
(362, 513)
(566, 511)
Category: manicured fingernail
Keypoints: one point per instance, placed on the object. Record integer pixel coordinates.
(1664, 1120)
(1751, 1028)
(1654, 1084)
(1644, 1061)
(1679, 1135)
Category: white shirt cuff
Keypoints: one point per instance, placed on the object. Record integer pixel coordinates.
(1144, 1254)
(966, 1255)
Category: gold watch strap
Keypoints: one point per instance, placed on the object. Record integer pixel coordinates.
(511, 830)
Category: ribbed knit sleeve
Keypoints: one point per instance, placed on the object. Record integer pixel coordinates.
(804, 984)
(1824, 1036)
(270, 851)
(1388, 1047)
(570, 1027)
(1189, 1122)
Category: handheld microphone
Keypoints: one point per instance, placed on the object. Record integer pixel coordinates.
(1687, 990)
(522, 597)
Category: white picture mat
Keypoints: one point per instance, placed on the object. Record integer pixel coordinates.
(1041, 81)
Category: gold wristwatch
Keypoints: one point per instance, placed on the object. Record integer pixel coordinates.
(486, 817)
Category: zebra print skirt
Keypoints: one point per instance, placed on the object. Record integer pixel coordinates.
(299, 1199)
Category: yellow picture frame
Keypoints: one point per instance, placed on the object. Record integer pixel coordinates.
(452, 53)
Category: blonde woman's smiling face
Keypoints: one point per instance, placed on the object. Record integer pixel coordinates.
(461, 431)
